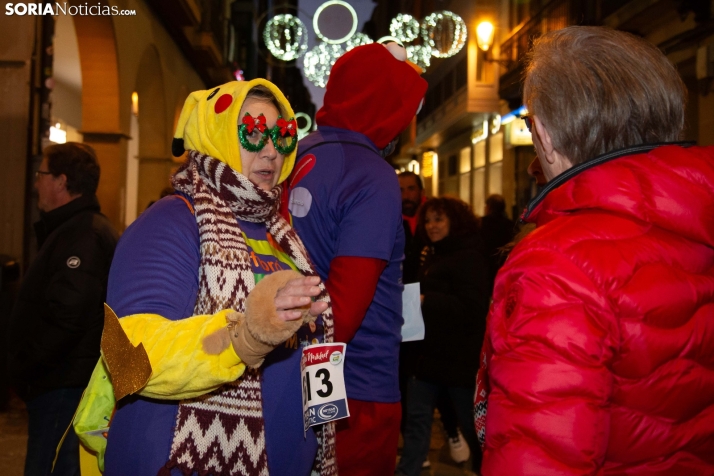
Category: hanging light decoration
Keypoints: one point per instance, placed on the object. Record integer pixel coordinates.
(358, 39)
(444, 32)
(286, 37)
(318, 62)
(333, 3)
(419, 55)
(404, 27)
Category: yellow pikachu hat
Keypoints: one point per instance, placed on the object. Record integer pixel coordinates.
(209, 123)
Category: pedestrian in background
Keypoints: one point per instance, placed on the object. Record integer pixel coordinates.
(413, 197)
(497, 231)
(57, 321)
(455, 301)
(600, 341)
(412, 189)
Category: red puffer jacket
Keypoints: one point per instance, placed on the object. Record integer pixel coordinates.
(600, 346)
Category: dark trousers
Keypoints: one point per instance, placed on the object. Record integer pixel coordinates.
(420, 414)
(50, 415)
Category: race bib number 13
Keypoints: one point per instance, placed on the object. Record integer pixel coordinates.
(323, 384)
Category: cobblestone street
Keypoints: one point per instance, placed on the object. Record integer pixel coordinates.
(13, 440)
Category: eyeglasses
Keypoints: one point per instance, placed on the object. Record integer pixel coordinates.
(40, 172)
(253, 133)
(529, 122)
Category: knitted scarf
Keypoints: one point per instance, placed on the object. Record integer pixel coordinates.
(223, 432)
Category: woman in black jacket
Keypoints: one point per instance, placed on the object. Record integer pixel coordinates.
(455, 299)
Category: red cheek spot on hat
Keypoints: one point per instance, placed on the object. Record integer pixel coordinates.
(222, 103)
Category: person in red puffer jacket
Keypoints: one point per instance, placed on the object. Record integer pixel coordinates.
(600, 343)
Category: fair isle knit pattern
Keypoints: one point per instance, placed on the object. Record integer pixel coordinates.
(223, 432)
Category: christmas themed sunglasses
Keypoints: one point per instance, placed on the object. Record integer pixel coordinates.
(253, 133)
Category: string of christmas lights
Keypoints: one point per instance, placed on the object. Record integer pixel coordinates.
(318, 62)
(286, 37)
(405, 28)
(358, 39)
(443, 34)
(419, 55)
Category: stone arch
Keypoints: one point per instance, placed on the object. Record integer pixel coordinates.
(100, 108)
(154, 153)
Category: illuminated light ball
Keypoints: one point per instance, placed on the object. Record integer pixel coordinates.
(444, 32)
(358, 39)
(405, 28)
(419, 55)
(334, 3)
(286, 37)
(318, 62)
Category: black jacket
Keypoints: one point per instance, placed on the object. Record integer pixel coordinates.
(56, 324)
(454, 283)
(413, 245)
(497, 231)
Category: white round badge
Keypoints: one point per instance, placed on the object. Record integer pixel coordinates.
(300, 202)
(336, 357)
(73, 262)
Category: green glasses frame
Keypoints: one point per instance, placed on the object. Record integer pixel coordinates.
(281, 130)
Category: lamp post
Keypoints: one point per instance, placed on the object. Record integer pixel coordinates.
(485, 32)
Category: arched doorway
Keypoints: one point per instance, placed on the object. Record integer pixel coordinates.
(154, 168)
(100, 109)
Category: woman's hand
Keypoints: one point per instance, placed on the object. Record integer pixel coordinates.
(274, 311)
(296, 296)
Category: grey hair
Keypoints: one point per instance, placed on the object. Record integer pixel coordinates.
(598, 90)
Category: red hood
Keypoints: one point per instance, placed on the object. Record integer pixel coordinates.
(670, 187)
(372, 92)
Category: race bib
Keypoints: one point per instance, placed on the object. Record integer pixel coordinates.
(323, 384)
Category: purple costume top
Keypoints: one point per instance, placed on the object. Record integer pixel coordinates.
(155, 270)
(345, 201)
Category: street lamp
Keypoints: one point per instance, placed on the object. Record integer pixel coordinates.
(484, 35)
(484, 38)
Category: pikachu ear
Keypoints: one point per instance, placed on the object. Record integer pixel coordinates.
(177, 147)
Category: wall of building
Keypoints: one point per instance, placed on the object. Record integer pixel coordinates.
(116, 55)
(16, 45)
(150, 63)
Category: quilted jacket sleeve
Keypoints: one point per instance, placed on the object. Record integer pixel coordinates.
(553, 336)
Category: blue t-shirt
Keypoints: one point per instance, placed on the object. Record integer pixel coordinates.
(345, 201)
(155, 270)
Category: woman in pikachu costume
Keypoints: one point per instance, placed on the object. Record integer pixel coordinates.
(224, 396)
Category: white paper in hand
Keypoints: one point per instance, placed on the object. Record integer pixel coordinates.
(413, 328)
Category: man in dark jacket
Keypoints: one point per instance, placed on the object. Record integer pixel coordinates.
(497, 231)
(412, 190)
(56, 324)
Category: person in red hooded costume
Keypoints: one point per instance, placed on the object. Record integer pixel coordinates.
(346, 205)
(600, 342)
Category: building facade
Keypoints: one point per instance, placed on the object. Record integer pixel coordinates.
(683, 30)
(115, 78)
(469, 140)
